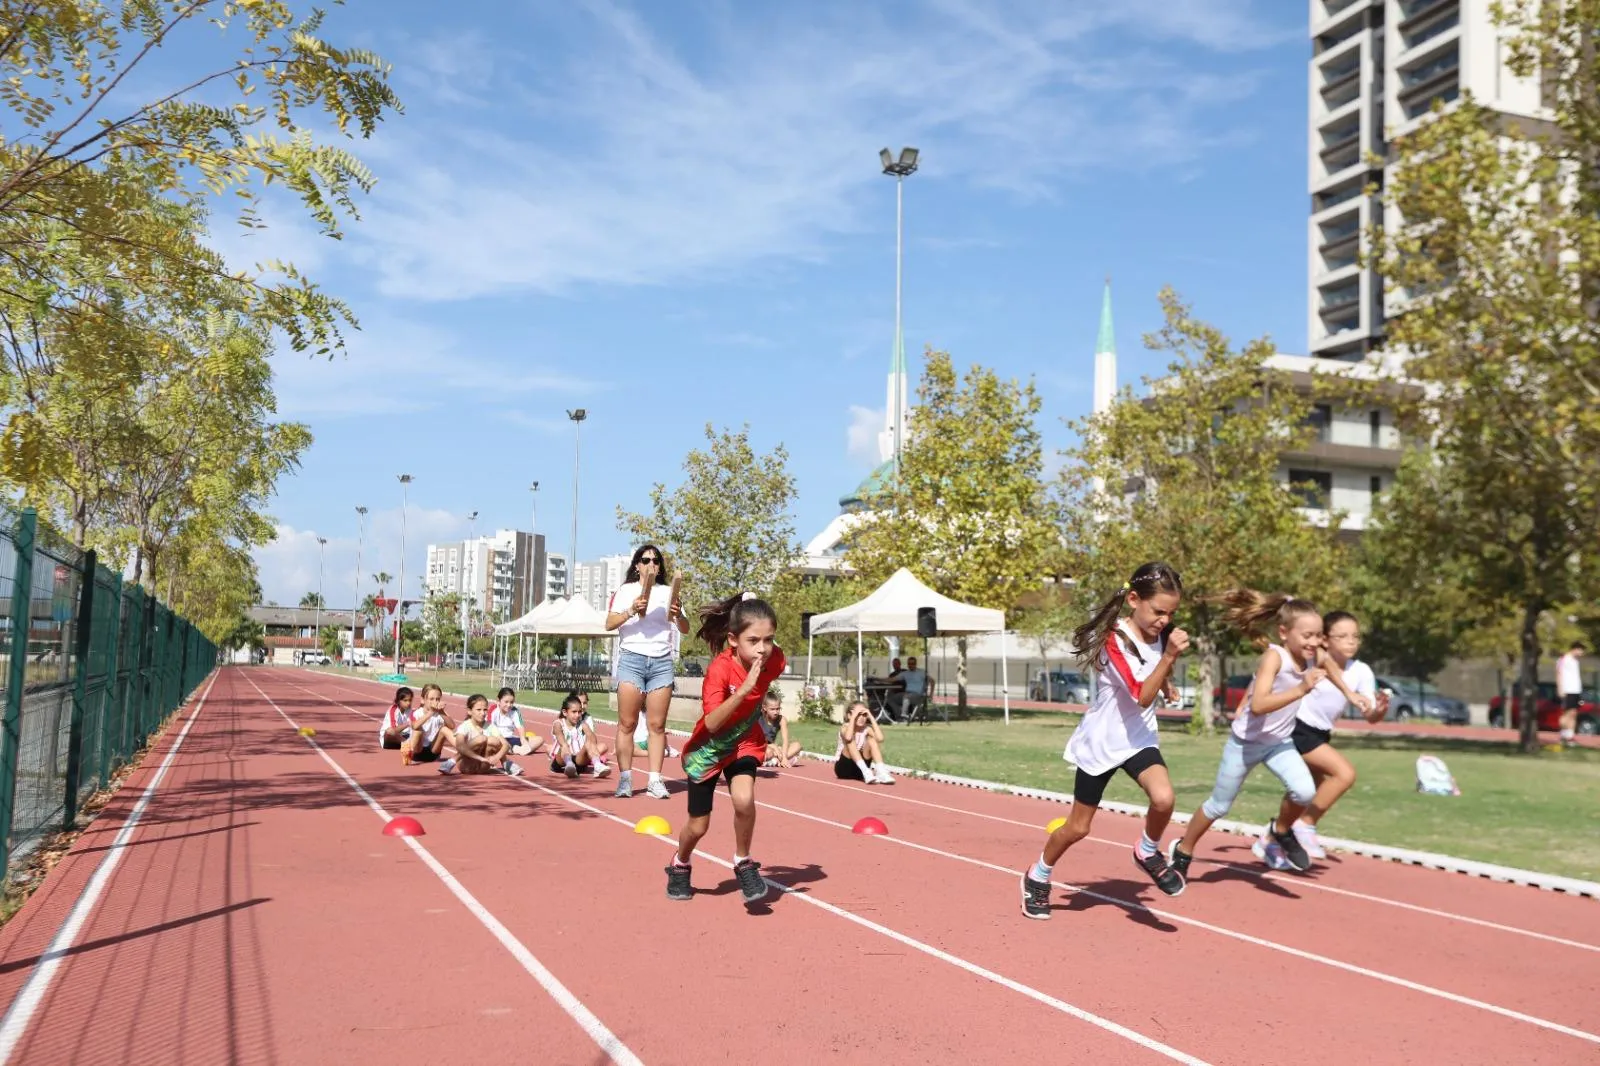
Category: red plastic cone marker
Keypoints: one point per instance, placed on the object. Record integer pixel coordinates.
(870, 827)
(404, 826)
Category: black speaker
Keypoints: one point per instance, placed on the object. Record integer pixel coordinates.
(927, 622)
(805, 624)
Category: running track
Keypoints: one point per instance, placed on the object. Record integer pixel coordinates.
(243, 907)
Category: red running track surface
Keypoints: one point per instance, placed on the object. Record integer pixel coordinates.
(255, 913)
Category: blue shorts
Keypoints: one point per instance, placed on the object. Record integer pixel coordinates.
(644, 673)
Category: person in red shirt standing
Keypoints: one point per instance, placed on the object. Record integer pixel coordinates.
(727, 741)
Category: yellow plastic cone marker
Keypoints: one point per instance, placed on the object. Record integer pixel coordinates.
(654, 825)
(307, 731)
(1057, 824)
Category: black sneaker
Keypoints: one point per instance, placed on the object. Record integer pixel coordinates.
(751, 883)
(1166, 878)
(1179, 861)
(1293, 850)
(1035, 897)
(678, 886)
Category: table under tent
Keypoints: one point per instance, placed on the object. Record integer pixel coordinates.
(568, 617)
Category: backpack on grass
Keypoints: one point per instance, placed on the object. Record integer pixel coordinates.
(1433, 777)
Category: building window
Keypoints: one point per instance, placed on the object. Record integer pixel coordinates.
(1313, 487)
(1377, 487)
(1320, 421)
(1375, 420)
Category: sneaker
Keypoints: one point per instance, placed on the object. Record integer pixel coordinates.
(511, 769)
(1035, 897)
(624, 785)
(1307, 835)
(1269, 852)
(1291, 849)
(678, 886)
(602, 770)
(658, 789)
(884, 776)
(447, 765)
(1166, 878)
(751, 883)
(1179, 861)
(571, 769)
(672, 752)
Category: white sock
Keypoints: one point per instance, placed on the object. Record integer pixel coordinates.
(1566, 734)
(1148, 847)
(737, 859)
(1040, 871)
(865, 773)
(654, 778)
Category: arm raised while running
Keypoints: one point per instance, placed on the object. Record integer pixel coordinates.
(1263, 700)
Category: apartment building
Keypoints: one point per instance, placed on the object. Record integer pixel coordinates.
(556, 576)
(504, 575)
(594, 581)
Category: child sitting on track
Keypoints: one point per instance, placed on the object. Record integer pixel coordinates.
(781, 751)
(430, 728)
(860, 754)
(506, 719)
(726, 742)
(574, 744)
(395, 727)
(479, 749)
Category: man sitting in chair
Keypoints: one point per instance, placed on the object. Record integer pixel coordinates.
(915, 682)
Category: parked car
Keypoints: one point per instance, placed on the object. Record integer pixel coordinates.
(316, 658)
(1228, 696)
(474, 662)
(1549, 710)
(1411, 699)
(1059, 686)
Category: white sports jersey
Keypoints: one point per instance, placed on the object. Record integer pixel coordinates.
(507, 723)
(394, 718)
(571, 737)
(1116, 727)
(1279, 725)
(1323, 705)
(1569, 679)
(431, 727)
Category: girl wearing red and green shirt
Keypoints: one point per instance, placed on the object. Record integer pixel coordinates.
(727, 741)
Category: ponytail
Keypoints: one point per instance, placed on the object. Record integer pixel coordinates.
(1090, 638)
(732, 616)
(1250, 611)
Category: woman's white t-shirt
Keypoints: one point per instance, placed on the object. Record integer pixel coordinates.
(1116, 727)
(1279, 725)
(651, 635)
(1323, 705)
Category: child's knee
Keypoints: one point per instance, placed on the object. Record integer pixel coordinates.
(1216, 806)
(1302, 791)
(1161, 799)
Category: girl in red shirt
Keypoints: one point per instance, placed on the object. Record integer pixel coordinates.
(727, 741)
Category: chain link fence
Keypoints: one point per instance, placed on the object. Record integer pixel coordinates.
(90, 667)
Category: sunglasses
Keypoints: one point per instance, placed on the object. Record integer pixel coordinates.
(649, 560)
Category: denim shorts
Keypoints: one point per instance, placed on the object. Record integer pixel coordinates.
(644, 673)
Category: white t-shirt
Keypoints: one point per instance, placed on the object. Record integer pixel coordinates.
(571, 737)
(1279, 725)
(1323, 705)
(1116, 727)
(430, 728)
(650, 636)
(507, 723)
(1569, 680)
(394, 718)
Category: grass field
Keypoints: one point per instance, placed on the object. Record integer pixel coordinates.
(1534, 812)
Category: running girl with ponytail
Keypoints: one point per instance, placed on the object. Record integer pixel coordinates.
(1263, 727)
(1134, 656)
(728, 741)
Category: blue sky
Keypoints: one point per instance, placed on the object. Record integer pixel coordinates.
(673, 214)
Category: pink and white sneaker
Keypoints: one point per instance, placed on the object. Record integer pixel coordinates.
(1271, 853)
(1307, 835)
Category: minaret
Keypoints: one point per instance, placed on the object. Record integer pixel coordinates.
(1105, 357)
(891, 441)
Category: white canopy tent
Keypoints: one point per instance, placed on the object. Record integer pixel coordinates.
(892, 610)
(528, 623)
(560, 617)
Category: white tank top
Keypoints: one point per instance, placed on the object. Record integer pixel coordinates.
(1279, 725)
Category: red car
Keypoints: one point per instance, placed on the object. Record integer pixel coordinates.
(1549, 706)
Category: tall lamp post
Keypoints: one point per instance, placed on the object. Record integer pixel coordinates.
(472, 531)
(577, 425)
(361, 530)
(322, 554)
(400, 607)
(534, 579)
(899, 169)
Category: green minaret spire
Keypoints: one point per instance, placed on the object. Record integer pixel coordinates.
(1108, 336)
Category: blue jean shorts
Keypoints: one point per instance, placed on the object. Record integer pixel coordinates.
(643, 672)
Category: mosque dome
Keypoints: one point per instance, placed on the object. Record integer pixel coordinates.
(876, 483)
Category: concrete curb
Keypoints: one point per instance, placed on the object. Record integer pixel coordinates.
(1509, 874)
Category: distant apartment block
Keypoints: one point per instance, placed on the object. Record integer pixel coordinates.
(505, 575)
(594, 581)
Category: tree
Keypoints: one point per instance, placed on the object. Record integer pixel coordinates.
(1492, 260)
(728, 527)
(312, 599)
(968, 513)
(441, 621)
(1190, 475)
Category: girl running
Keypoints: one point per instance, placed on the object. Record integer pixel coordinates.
(395, 728)
(574, 744)
(430, 730)
(644, 612)
(727, 742)
(1263, 726)
(1313, 727)
(506, 719)
(860, 753)
(1134, 656)
(781, 751)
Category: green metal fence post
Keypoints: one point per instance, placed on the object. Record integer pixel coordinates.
(80, 689)
(113, 697)
(17, 677)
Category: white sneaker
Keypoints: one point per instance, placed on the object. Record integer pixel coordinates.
(602, 769)
(672, 752)
(884, 776)
(447, 765)
(658, 789)
(1269, 852)
(1307, 835)
(512, 769)
(571, 769)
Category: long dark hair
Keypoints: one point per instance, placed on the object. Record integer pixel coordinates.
(732, 616)
(1251, 612)
(662, 577)
(1091, 637)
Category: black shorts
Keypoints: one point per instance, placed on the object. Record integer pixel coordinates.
(1308, 738)
(389, 745)
(1570, 701)
(1088, 788)
(701, 793)
(845, 768)
(424, 755)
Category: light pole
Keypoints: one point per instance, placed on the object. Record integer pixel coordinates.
(577, 425)
(900, 170)
(472, 531)
(533, 554)
(400, 607)
(322, 554)
(361, 529)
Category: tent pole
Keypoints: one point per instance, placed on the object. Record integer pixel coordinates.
(1005, 678)
(811, 644)
(861, 681)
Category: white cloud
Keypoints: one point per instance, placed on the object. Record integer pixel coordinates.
(288, 566)
(646, 167)
(861, 439)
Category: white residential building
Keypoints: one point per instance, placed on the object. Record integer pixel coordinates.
(555, 575)
(594, 581)
(492, 572)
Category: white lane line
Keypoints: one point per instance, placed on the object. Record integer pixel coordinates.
(603, 1037)
(26, 1002)
(1323, 960)
(1297, 882)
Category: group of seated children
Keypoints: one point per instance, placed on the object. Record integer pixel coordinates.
(860, 753)
(485, 741)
